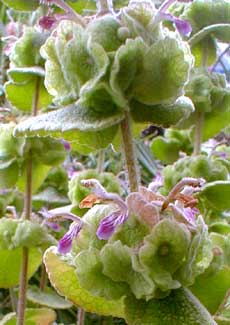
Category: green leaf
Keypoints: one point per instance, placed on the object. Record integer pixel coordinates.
(165, 70)
(164, 252)
(199, 255)
(22, 5)
(121, 264)
(168, 148)
(211, 289)
(89, 270)
(64, 280)
(215, 122)
(40, 171)
(9, 173)
(49, 196)
(22, 74)
(26, 51)
(21, 94)
(104, 31)
(88, 131)
(30, 234)
(33, 316)
(179, 308)
(127, 61)
(10, 265)
(48, 298)
(207, 46)
(216, 195)
(164, 115)
(71, 118)
(16, 233)
(210, 12)
(82, 6)
(73, 60)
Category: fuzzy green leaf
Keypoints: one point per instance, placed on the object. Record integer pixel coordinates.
(211, 289)
(72, 60)
(26, 52)
(22, 5)
(165, 70)
(89, 270)
(216, 195)
(64, 279)
(164, 251)
(71, 118)
(48, 298)
(181, 307)
(33, 316)
(121, 264)
(164, 115)
(21, 95)
(210, 12)
(199, 254)
(16, 233)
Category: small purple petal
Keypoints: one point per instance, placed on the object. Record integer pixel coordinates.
(190, 214)
(183, 26)
(66, 144)
(65, 243)
(53, 225)
(109, 224)
(157, 182)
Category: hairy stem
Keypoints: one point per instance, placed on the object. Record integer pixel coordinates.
(100, 161)
(198, 133)
(129, 153)
(104, 6)
(80, 316)
(26, 214)
(43, 277)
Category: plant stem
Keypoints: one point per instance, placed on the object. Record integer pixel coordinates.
(104, 6)
(198, 132)
(129, 153)
(43, 277)
(80, 316)
(26, 214)
(100, 161)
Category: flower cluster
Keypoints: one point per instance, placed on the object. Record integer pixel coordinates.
(161, 242)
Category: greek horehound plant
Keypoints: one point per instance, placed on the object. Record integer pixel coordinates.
(112, 70)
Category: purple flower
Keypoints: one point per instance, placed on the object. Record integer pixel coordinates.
(66, 242)
(61, 214)
(109, 224)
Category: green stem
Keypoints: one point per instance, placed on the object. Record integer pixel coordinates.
(104, 7)
(100, 161)
(198, 132)
(26, 214)
(129, 153)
